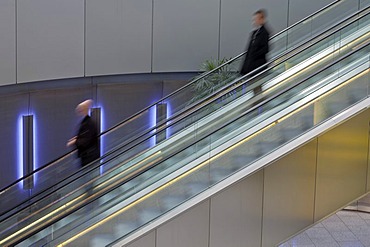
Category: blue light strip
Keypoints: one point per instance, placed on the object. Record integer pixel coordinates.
(102, 128)
(35, 147)
(20, 150)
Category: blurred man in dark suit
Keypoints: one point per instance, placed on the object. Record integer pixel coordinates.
(86, 140)
(258, 45)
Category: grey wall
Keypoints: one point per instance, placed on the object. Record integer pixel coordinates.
(50, 39)
(118, 36)
(53, 39)
(185, 33)
(7, 42)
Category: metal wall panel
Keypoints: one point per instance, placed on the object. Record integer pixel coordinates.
(146, 241)
(118, 36)
(236, 22)
(236, 214)
(342, 165)
(7, 42)
(288, 204)
(50, 39)
(185, 33)
(189, 229)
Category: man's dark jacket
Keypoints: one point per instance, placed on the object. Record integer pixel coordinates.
(258, 47)
(87, 141)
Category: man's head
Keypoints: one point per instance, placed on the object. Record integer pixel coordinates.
(83, 108)
(259, 18)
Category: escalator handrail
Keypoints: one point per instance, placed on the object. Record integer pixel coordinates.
(222, 126)
(249, 87)
(255, 107)
(226, 63)
(185, 86)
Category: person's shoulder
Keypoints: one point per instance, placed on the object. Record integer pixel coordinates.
(86, 119)
(266, 28)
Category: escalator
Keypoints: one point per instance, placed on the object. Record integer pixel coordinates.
(290, 119)
(295, 117)
(191, 140)
(126, 135)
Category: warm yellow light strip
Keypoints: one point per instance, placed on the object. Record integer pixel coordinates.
(39, 220)
(111, 216)
(347, 46)
(323, 95)
(163, 187)
(51, 214)
(343, 84)
(363, 38)
(309, 67)
(200, 165)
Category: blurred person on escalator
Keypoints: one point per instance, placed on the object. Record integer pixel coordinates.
(257, 48)
(86, 141)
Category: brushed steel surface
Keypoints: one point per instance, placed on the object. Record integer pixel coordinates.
(289, 186)
(147, 240)
(189, 229)
(236, 212)
(341, 165)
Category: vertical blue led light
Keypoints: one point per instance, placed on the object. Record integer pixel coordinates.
(35, 147)
(27, 157)
(20, 149)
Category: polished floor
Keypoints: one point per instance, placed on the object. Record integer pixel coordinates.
(343, 229)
